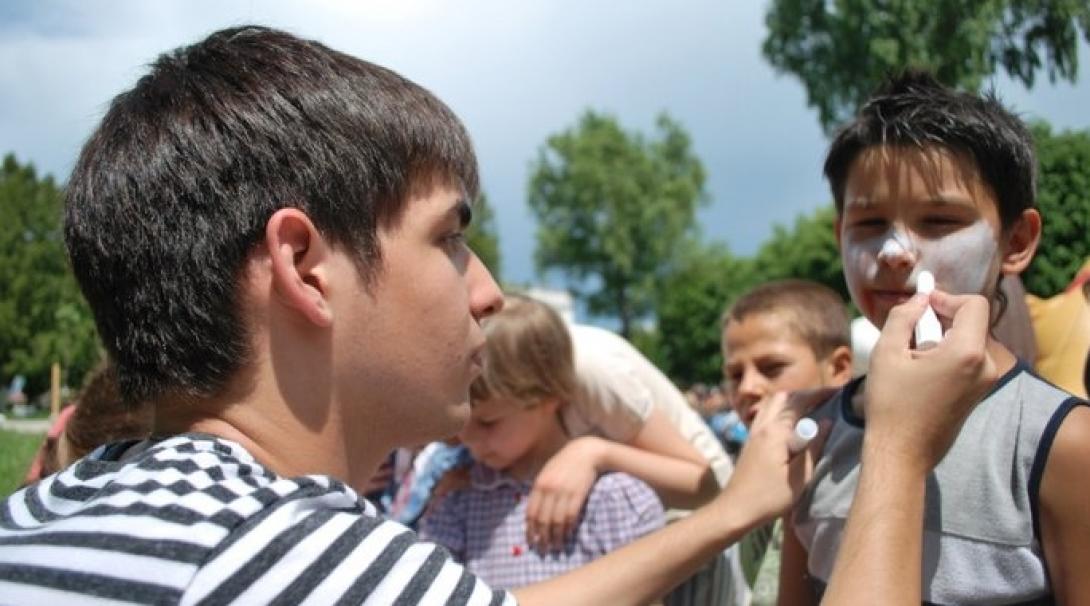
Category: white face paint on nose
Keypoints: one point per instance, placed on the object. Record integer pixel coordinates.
(896, 245)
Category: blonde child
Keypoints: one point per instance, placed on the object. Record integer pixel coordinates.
(515, 428)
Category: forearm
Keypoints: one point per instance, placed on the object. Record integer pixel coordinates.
(646, 569)
(880, 556)
(680, 483)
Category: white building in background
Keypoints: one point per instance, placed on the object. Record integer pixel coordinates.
(559, 300)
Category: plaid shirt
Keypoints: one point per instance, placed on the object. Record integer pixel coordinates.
(484, 526)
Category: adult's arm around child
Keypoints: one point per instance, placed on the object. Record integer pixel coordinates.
(658, 455)
(766, 481)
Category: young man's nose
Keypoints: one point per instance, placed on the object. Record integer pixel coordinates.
(485, 296)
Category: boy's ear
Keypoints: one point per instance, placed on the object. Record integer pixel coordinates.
(1021, 242)
(838, 366)
(836, 230)
(299, 258)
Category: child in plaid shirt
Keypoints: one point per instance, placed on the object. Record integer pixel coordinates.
(514, 429)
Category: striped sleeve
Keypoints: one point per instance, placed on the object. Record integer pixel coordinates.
(301, 554)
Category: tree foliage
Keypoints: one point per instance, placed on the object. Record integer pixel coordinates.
(808, 251)
(43, 317)
(483, 237)
(1063, 197)
(842, 49)
(612, 207)
(692, 299)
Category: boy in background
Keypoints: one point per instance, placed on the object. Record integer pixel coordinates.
(927, 178)
(786, 335)
(515, 428)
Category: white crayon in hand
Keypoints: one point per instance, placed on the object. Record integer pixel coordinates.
(928, 329)
(805, 430)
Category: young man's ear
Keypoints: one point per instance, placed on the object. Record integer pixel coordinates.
(1021, 241)
(299, 256)
(838, 366)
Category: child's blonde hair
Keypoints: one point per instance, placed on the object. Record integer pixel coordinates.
(528, 355)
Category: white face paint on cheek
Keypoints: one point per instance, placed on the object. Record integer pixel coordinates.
(860, 259)
(964, 261)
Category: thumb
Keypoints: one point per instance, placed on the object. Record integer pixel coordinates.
(901, 322)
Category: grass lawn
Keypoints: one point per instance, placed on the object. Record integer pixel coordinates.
(16, 451)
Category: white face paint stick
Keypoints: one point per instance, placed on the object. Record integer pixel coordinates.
(928, 329)
(805, 430)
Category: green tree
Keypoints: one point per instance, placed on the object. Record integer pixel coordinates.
(842, 49)
(1063, 196)
(611, 208)
(808, 250)
(483, 237)
(706, 280)
(43, 317)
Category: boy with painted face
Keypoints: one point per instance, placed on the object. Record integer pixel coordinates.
(786, 335)
(926, 178)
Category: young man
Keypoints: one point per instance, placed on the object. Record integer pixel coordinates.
(270, 236)
(786, 335)
(927, 178)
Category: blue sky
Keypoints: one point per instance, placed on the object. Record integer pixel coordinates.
(514, 71)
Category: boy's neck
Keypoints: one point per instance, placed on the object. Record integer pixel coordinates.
(1003, 359)
(552, 440)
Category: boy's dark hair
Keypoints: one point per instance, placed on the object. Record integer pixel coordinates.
(815, 313)
(916, 109)
(173, 191)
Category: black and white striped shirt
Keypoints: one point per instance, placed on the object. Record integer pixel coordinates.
(195, 519)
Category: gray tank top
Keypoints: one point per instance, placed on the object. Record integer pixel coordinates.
(981, 532)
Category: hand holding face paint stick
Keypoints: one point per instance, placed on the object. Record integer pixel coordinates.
(805, 430)
(928, 331)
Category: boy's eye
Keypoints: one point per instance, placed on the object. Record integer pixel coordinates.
(939, 220)
(868, 223)
(772, 370)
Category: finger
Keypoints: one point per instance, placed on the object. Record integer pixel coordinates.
(533, 517)
(543, 538)
(769, 407)
(571, 517)
(970, 316)
(901, 323)
(557, 526)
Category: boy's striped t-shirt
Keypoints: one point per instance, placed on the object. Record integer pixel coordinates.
(195, 519)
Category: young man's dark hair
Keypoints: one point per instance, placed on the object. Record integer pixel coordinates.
(914, 109)
(174, 189)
